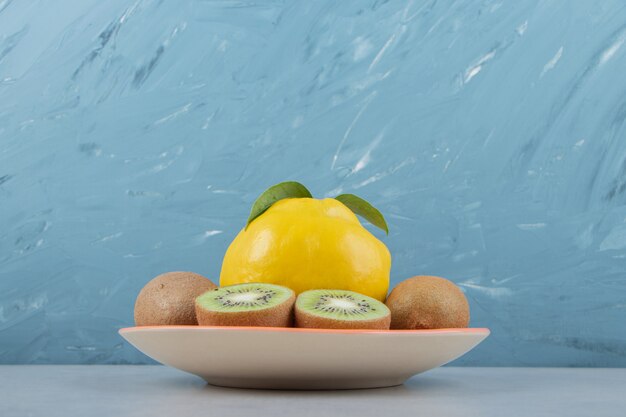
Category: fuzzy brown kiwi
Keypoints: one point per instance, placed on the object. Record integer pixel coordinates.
(427, 302)
(168, 299)
(340, 309)
(250, 304)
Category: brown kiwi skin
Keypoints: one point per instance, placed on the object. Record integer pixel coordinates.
(280, 315)
(169, 299)
(307, 320)
(428, 302)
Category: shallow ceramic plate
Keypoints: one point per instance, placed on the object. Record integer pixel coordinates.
(291, 358)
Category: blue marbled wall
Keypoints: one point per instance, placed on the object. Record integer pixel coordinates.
(135, 135)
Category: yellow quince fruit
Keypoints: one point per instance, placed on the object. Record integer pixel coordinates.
(303, 243)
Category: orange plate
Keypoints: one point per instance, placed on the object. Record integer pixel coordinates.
(295, 358)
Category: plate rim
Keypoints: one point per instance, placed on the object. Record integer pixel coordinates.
(460, 330)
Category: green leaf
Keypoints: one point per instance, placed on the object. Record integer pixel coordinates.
(288, 189)
(364, 209)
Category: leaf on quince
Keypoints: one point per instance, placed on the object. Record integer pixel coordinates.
(288, 189)
(364, 209)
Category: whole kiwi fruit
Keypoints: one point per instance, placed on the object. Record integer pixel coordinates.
(169, 298)
(427, 302)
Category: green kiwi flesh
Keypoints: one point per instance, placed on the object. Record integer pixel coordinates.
(250, 304)
(340, 309)
(168, 299)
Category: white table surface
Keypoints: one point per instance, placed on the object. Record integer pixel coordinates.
(120, 390)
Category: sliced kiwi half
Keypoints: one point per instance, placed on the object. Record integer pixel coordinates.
(340, 309)
(252, 304)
